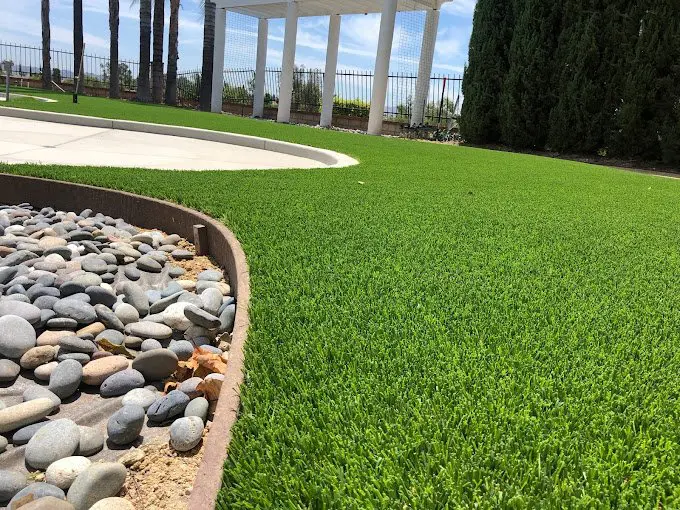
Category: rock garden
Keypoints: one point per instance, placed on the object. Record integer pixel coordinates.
(113, 345)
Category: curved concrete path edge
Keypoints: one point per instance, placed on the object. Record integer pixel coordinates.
(329, 159)
(223, 246)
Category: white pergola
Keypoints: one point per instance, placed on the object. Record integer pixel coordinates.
(291, 10)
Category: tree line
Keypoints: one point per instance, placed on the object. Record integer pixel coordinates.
(154, 83)
(586, 76)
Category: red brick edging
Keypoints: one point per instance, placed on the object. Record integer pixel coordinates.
(222, 246)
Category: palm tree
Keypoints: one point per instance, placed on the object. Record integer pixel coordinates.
(143, 91)
(46, 67)
(173, 37)
(114, 82)
(208, 54)
(157, 64)
(78, 42)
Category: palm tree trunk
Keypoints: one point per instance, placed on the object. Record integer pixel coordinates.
(157, 64)
(46, 67)
(173, 37)
(208, 53)
(78, 42)
(143, 91)
(114, 81)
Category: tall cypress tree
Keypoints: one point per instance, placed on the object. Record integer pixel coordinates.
(487, 67)
(528, 90)
(649, 118)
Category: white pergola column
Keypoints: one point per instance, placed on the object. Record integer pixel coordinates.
(288, 66)
(425, 66)
(260, 67)
(218, 60)
(331, 67)
(382, 67)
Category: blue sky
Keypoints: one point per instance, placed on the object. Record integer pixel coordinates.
(20, 23)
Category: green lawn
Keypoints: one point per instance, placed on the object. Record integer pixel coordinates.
(441, 327)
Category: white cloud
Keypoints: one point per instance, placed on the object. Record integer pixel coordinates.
(460, 7)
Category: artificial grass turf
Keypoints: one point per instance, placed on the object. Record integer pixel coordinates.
(464, 328)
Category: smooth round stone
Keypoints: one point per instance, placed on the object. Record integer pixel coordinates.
(100, 296)
(70, 288)
(146, 263)
(74, 343)
(127, 314)
(182, 254)
(108, 278)
(142, 238)
(195, 332)
(113, 504)
(150, 344)
(170, 239)
(9, 370)
(17, 335)
(108, 317)
(38, 491)
(101, 354)
(189, 285)
(26, 311)
(132, 273)
(97, 371)
(26, 413)
(169, 406)
(133, 342)
(99, 481)
(16, 297)
(45, 302)
(11, 482)
(154, 296)
(88, 280)
(186, 433)
(163, 303)
(80, 311)
(201, 317)
(24, 434)
(48, 503)
(190, 387)
(126, 424)
(212, 300)
(35, 392)
(121, 383)
(54, 441)
(172, 288)
(140, 396)
(64, 471)
(80, 357)
(156, 365)
(224, 288)
(227, 317)
(112, 336)
(37, 356)
(3, 444)
(157, 318)
(183, 348)
(91, 441)
(38, 291)
(198, 407)
(52, 337)
(43, 372)
(135, 296)
(210, 275)
(173, 317)
(190, 298)
(149, 329)
(66, 378)
(93, 265)
(48, 242)
(80, 296)
(176, 272)
(62, 323)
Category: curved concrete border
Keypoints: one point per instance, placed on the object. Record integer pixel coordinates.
(222, 245)
(329, 159)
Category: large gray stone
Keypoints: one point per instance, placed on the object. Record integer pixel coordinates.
(75, 309)
(91, 441)
(126, 424)
(9, 370)
(121, 383)
(186, 433)
(156, 365)
(17, 335)
(20, 415)
(72, 343)
(54, 441)
(11, 482)
(24, 434)
(35, 392)
(66, 378)
(148, 329)
(37, 491)
(108, 317)
(135, 296)
(169, 406)
(126, 313)
(201, 317)
(140, 396)
(99, 481)
(198, 407)
(212, 300)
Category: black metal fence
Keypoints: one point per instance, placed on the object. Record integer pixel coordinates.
(352, 88)
(352, 92)
(28, 64)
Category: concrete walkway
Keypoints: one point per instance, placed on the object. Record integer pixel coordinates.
(31, 141)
